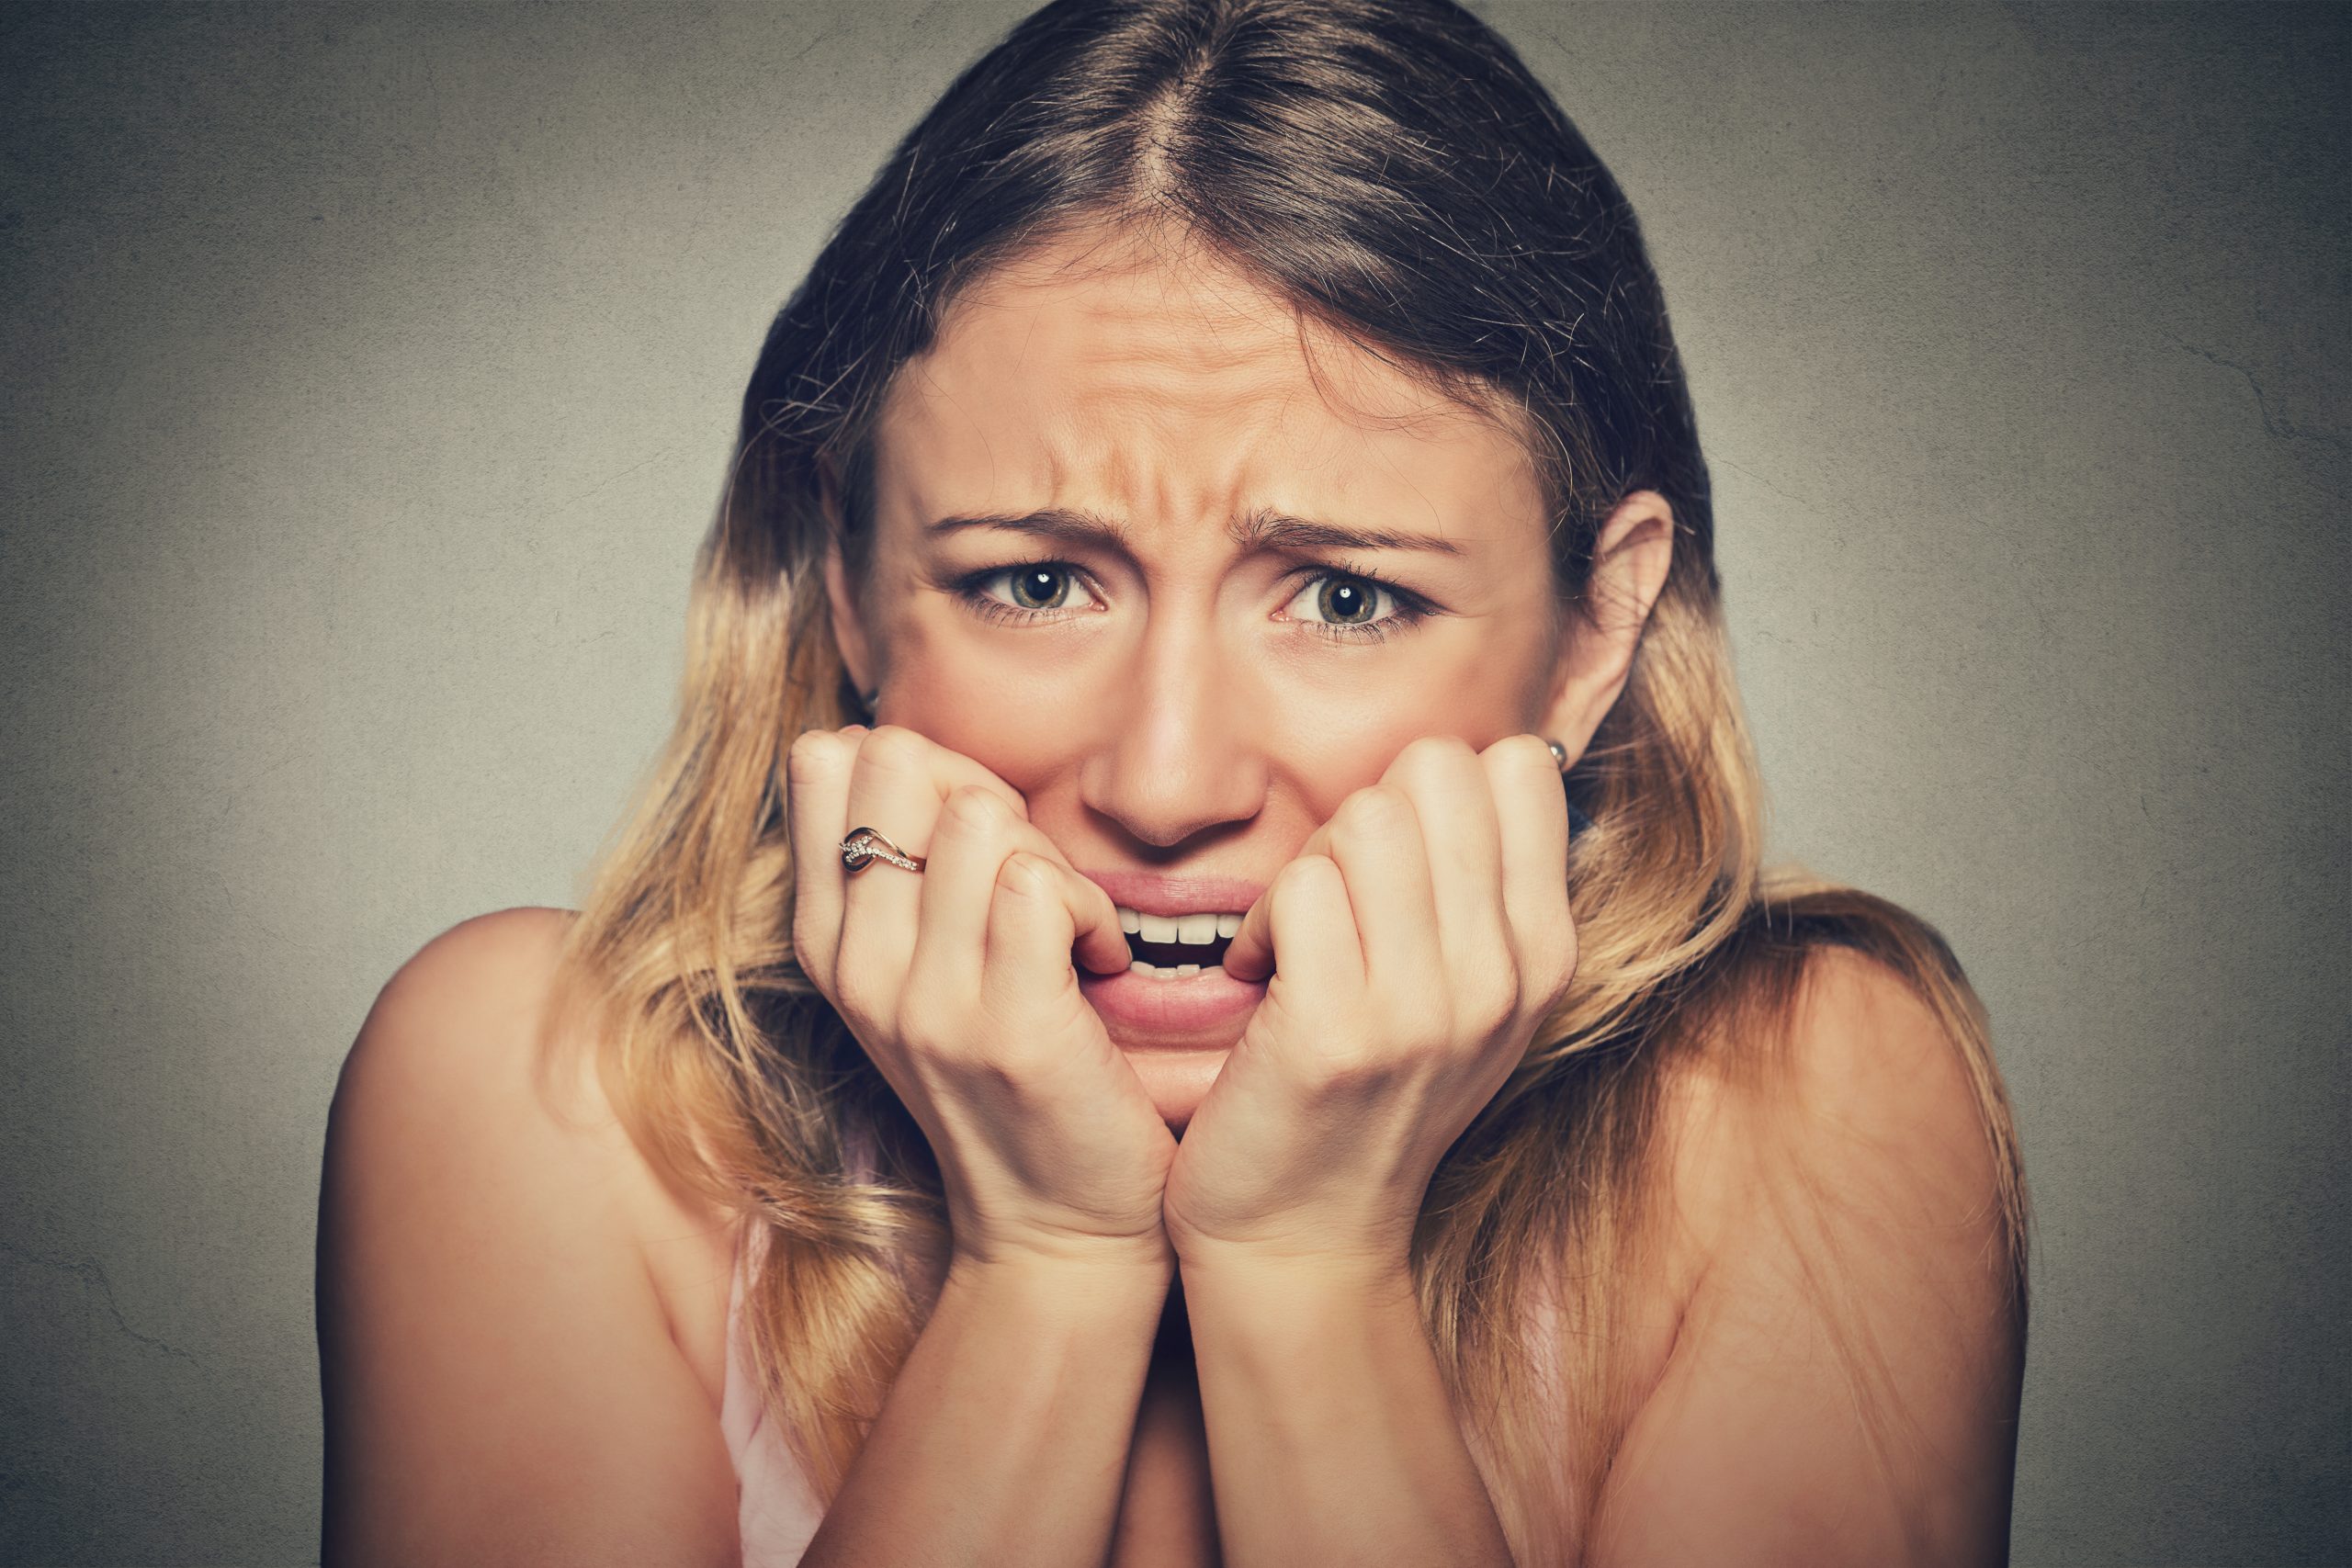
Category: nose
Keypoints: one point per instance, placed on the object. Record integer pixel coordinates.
(1182, 747)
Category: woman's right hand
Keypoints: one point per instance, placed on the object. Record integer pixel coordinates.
(958, 981)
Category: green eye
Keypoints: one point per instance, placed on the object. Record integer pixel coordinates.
(1348, 606)
(1038, 587)
(1025, 590)
(1345, 606)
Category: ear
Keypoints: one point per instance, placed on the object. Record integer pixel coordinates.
(848, 617)
(1629, 566)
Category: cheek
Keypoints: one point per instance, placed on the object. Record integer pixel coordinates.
(1465, 679)
(993, 697)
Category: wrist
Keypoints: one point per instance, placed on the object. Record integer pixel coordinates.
(1296, 1319)
(1303, 1276)
(1117, 1266)
(1059, 1301)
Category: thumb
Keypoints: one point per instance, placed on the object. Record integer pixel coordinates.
(1250, 954)
(1097, 942)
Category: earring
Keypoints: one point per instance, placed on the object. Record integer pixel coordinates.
(1578, 821)
(867, 699)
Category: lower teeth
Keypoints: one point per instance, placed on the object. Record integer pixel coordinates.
(1177, 972)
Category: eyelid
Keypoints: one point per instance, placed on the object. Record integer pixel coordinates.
(1409, 604)
(971, 585)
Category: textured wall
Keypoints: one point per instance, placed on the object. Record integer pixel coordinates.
(367, 383)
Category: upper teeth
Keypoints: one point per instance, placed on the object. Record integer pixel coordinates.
(1198, 930)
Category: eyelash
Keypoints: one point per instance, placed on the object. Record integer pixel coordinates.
(1411, 608)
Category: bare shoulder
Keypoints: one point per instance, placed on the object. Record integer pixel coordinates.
(1848, 1226)
(501, 1374)
(459, 1021)
(1852, 1083)
(454, 1077)
(461, 1031)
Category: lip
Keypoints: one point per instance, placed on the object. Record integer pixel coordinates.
(1160, 893)
(1204, 1012)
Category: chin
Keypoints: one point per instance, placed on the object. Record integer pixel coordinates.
(1177, 1081)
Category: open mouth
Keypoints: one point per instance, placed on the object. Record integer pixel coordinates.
(1176, 947)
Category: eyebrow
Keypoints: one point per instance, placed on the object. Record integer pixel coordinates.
(1258, 529)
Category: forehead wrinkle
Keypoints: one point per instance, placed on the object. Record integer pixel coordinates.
(1132, 448)
(1289, 404)
(1141, 342)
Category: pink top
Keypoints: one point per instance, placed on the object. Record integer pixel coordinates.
(778, 1509)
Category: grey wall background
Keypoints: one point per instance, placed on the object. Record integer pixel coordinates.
(368, 379)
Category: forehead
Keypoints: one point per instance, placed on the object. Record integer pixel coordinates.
(1163, 386)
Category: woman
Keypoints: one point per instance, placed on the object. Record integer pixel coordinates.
(1102, 1042)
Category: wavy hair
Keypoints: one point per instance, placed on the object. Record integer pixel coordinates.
(1393, 170)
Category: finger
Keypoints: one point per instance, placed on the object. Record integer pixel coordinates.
(1250, 954)
(1531, 811)
(974, 836)
(817, 774)
(1303, 926)
(1453, 799)
(1030, 932)
(1376, 842)
(896, 788)
(1098, 942)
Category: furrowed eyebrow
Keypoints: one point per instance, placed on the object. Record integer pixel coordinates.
(1262, 529)
(1273, 530)
(1055, 522)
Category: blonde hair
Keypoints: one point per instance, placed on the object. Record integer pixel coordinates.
(741, 1083)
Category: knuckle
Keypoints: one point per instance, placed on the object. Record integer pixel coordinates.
(1423, 1028)
(923, 1025)
(1372, 819)
(1017, 1060)
(812, 755)
(1432, 753)
(1556, 986)
(859, 999)
(1297, 880)
(1376, 810)
(1525, 754)
(1487, 1005)
(893, 747)
(1350, 1067)
(1560, 976)
(1025, 874)
(974, 811)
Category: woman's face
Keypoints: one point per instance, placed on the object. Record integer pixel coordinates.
(1185, 579)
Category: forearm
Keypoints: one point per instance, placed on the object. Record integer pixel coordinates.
(1004, 1437)
(1331, 1436)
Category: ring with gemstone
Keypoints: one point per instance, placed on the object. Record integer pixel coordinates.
(863, 846)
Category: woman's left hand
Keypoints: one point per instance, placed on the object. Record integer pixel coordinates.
(1415, 944)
